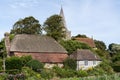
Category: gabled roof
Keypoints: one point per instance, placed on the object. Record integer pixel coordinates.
(84, 54)
(35, 43)
(88, 41)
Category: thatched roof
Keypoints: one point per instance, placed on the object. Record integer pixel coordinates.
(84, 54)
(35, 43)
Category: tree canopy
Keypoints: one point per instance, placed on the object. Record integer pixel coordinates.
(100, 44)
(28, 25)
(114, 48)
(72, 45)
(53, 27)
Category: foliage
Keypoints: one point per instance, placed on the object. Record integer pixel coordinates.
(114, 48)
(70, 64)
(63, 73)
(13, 63)
(30, 74)
(2, 49)
(28, 25)
(25, 59)
(3, 76)
(81, 73)
(47, 74)
(103, 77)
(100, 45)
(116, 62)
(35, 65)
(54, 28)
(80, 36)
(102, 53)
(72, 45)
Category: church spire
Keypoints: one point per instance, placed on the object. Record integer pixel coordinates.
(63, 17)
(67, 32)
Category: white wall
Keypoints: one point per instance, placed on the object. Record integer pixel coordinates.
(81, 64)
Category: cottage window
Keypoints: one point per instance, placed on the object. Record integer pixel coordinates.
(86, 62)
(94, 62)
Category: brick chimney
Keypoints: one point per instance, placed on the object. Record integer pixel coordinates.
(7, 43)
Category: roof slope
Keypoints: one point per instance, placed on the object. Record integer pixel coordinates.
(35, 43)
(88, 41)
(84, 54)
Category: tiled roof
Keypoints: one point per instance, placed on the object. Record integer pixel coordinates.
(84, 54)
(88, 41)
(35, 43)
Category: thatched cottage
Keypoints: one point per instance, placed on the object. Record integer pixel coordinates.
(43, 48)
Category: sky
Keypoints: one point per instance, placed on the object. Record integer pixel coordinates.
(98, 19)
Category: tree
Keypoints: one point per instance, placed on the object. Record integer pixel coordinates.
(53, 27)
(100, 45)
(80, 36)
(114, 48)
(28, 25)
(72, 45)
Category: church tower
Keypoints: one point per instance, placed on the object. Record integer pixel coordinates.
(67, 32)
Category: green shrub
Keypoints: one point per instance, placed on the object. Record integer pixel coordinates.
(1, 64)
(64, 73)
(82, 73)
(3, 76)
(13, 64)
(47, 74)
(30, 74)
(35, 65)
(70, 64)
(25, 59)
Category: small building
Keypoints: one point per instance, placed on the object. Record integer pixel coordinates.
(42, 48)
(85, 59)
(88, 41)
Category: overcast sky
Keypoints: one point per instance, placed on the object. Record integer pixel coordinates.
(97, 18)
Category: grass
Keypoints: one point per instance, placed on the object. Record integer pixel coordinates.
(104, 77)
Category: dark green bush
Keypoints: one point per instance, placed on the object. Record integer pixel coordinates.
(35, 65)
(25, 59)
(1, 64)
(13, 64)
(70, 64)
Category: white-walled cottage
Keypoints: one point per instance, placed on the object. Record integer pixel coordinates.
(85, 59)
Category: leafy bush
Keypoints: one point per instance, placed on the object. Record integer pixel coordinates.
(70, 64)
(13, 63)
(3, 76)
(35, 65)
(1, 64)
(25, 59)
(82, 73)
(64, 73)
(30, 74)
(47, 74)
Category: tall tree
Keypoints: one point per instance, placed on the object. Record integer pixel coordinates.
(28, 25)
(100, 45)
(114, 48)
(53, 27)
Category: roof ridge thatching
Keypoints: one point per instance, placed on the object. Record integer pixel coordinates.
(35, 43)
